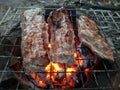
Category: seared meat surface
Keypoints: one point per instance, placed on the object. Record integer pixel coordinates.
(89, 35)
(34, 40)
(61, 36)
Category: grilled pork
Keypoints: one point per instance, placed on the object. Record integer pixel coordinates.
(34, 40)
(61, 36)
(89, 35)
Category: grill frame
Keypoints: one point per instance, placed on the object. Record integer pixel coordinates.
(94, 14)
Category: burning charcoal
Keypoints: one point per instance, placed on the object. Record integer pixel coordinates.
(38, 81)
(61, 73)
(84, 54)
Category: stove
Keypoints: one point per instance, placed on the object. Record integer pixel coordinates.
(103, 75)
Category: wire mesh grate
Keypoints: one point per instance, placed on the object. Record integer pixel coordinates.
(109, 26)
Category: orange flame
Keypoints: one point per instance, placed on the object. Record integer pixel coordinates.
(70, 70)
(54, 68)
(75, 54)
(79, 60)
(37, 78)
(49, 45)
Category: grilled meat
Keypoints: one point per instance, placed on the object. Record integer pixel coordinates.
(61, 36)
(89, 35)
(34, 40)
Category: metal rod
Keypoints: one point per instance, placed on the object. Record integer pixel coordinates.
(5, 15)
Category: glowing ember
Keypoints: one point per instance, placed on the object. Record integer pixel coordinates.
(56, 72)
(86, 70)
(37, 78)
(52, 67)
(79, 61)
(69, 84)
(70, 70)
(75, 54)
(62, 75)
(49, 45)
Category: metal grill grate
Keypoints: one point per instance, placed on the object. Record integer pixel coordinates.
(108, 23)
